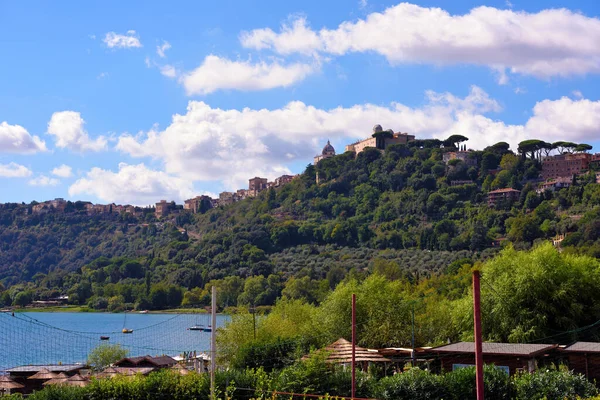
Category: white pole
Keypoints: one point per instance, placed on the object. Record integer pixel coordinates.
(213, 343)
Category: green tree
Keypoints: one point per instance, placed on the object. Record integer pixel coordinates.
(105, 355)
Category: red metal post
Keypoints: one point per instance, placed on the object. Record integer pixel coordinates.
(478, 341)
(353, 345)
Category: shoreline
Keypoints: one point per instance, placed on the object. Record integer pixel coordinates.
(80, 309)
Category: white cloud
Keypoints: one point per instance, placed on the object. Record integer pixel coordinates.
(552, 42)
(102, 75)
(134, 184)
(160, 50)
(363, 3)
(566, 119)
(168, 71)
(127, 41)
(16, 139)
(577, 94)
(43, 180)
(520, 90)
(218, 73)
(63, 171)
(147, 62)
(14, 170)
(67, 128)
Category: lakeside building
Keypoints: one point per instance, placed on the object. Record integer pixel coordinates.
(498, 196)
(380, 142)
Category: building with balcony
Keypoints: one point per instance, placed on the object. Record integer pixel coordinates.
(499, 196)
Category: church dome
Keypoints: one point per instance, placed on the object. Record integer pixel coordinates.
(328, 150)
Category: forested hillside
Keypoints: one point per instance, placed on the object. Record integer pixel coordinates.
(403, 212)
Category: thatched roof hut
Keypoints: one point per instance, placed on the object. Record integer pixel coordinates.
(77, 380)
(181, 370)
(8, 384)
(60, 379)
(340, 352)
(43, 374)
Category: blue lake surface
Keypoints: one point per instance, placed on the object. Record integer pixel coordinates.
(49, 338)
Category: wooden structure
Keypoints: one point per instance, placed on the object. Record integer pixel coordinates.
(146, 362)
(340, 352)
(32, 377)
(583, 358)
(8, 386)
(508, 356)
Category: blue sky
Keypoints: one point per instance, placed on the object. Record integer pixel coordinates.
(133, 102)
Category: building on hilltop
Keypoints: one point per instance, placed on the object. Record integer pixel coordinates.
(282, 180)
(565, 165)
(380, 140)
(199, 204)
(498, 196)
(162, 209)
(328, 152)
(257, 184)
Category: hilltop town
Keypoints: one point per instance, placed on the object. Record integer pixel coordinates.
(557, 172)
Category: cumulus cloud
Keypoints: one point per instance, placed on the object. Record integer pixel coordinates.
(552, 42)
(16, 139)
(160, 50)
(134, 184)
(63, 171)
(68, 130)
(575, 120)
(169, 71)
(216, 73)
(209, 143)
(14, 170)
(43, 180)
(120, 41)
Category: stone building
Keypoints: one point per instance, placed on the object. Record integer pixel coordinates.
(162, 209)
(198, 204)
(283, 179)
(257, 184)
(565, 165)
(328, 151)
(381, 142)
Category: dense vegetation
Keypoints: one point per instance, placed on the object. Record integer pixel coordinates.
(396, 211)
(313, 376)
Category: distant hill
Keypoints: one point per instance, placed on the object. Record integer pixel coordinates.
(401, 211)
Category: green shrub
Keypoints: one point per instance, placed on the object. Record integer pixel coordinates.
(553, 385)
(413, 384)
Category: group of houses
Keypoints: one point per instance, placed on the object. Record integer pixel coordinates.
(29, 378)
(580, 357)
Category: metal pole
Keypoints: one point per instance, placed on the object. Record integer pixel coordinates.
(353, 345)
(254, 320)
(477, 332)
(213, 343)
(413, 336)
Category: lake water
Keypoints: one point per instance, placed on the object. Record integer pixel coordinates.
(50, 338)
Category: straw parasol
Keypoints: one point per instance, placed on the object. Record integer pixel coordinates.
(59, 380)
(77, 380)
(108, 373)
(340, 352)
(8, 384)
(44, 374)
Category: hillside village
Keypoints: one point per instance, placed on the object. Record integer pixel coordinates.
(557, 172)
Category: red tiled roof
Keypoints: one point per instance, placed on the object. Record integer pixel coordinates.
(513, 349)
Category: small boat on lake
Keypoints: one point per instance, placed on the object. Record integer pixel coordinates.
(196, 328)
(104, 337)
(126, 330)
(144, 312)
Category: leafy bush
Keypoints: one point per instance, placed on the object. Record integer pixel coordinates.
(553, 385)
